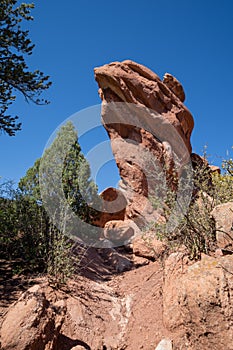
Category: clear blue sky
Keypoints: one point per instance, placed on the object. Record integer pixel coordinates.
(191, 39)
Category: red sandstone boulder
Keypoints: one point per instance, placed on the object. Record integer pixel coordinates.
(119, 231)
(223, 216)
(33, 322)
(198, 299)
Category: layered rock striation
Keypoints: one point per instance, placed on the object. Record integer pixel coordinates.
(149, 128)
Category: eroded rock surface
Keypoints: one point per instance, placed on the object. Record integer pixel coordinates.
(198, 299)
(149, 128)
(33, 322)
(223, 216)
(148, 246)
(114, 206)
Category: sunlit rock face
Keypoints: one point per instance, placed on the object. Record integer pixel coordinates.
(149, 128)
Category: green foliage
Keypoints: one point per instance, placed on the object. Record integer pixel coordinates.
(14, 72)
(60, 260)
(223, 188)
(223, 183)
(23, 227)
(79, 190)
(227, 166)
(26, 234)
(26, 230)
(29, 184)
(196, 229)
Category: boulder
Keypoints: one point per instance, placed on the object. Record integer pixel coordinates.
(223, 216)
(119, 231)
(198, 299)
(148, 246)
(32, 322)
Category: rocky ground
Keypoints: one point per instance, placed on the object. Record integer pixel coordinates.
(169, 303)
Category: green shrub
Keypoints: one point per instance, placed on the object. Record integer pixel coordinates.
(196, 228)
(60, 260)
(28, 236)
(23, 226)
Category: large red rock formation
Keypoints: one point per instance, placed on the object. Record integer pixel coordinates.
(149, 128)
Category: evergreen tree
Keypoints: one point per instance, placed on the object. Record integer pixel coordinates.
(63, 171)
(15, 75)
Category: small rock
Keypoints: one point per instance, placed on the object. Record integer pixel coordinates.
(165, 344)
(218, 253)
(75, 311)
(119, 262)
(140, 261)
(148, 247)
